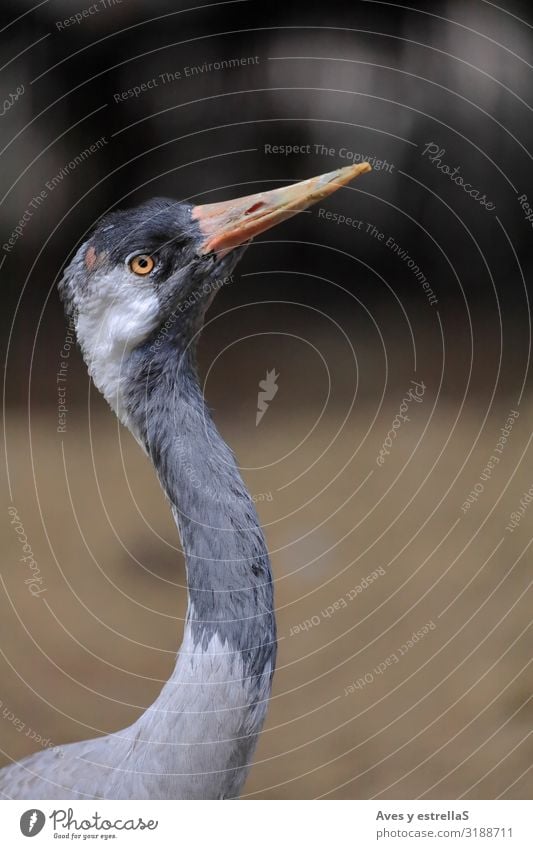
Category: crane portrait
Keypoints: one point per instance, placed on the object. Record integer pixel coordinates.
(266, 402)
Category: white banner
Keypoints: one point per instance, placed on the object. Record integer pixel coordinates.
(256, 824)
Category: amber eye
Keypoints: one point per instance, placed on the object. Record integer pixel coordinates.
(141, 264)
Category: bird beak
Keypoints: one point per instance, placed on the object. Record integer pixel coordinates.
(228, 224)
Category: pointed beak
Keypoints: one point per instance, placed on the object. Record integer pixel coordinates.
(227, 225)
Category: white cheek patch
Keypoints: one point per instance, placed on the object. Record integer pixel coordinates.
(119, 312)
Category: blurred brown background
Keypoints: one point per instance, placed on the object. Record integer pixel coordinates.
(346, 323)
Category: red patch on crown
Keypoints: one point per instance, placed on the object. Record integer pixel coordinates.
(90, 258)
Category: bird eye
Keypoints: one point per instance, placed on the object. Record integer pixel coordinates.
(141, 264)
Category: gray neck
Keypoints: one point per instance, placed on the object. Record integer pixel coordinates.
(214, 704)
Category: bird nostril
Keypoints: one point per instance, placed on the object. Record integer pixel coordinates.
(254, 208)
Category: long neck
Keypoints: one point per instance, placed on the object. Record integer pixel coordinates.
(214, 704)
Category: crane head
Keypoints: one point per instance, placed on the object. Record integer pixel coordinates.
(155, 269)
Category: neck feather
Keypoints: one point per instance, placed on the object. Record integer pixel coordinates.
(224, 668)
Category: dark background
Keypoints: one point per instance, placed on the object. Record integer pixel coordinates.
(334, 311)
(381, 80)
